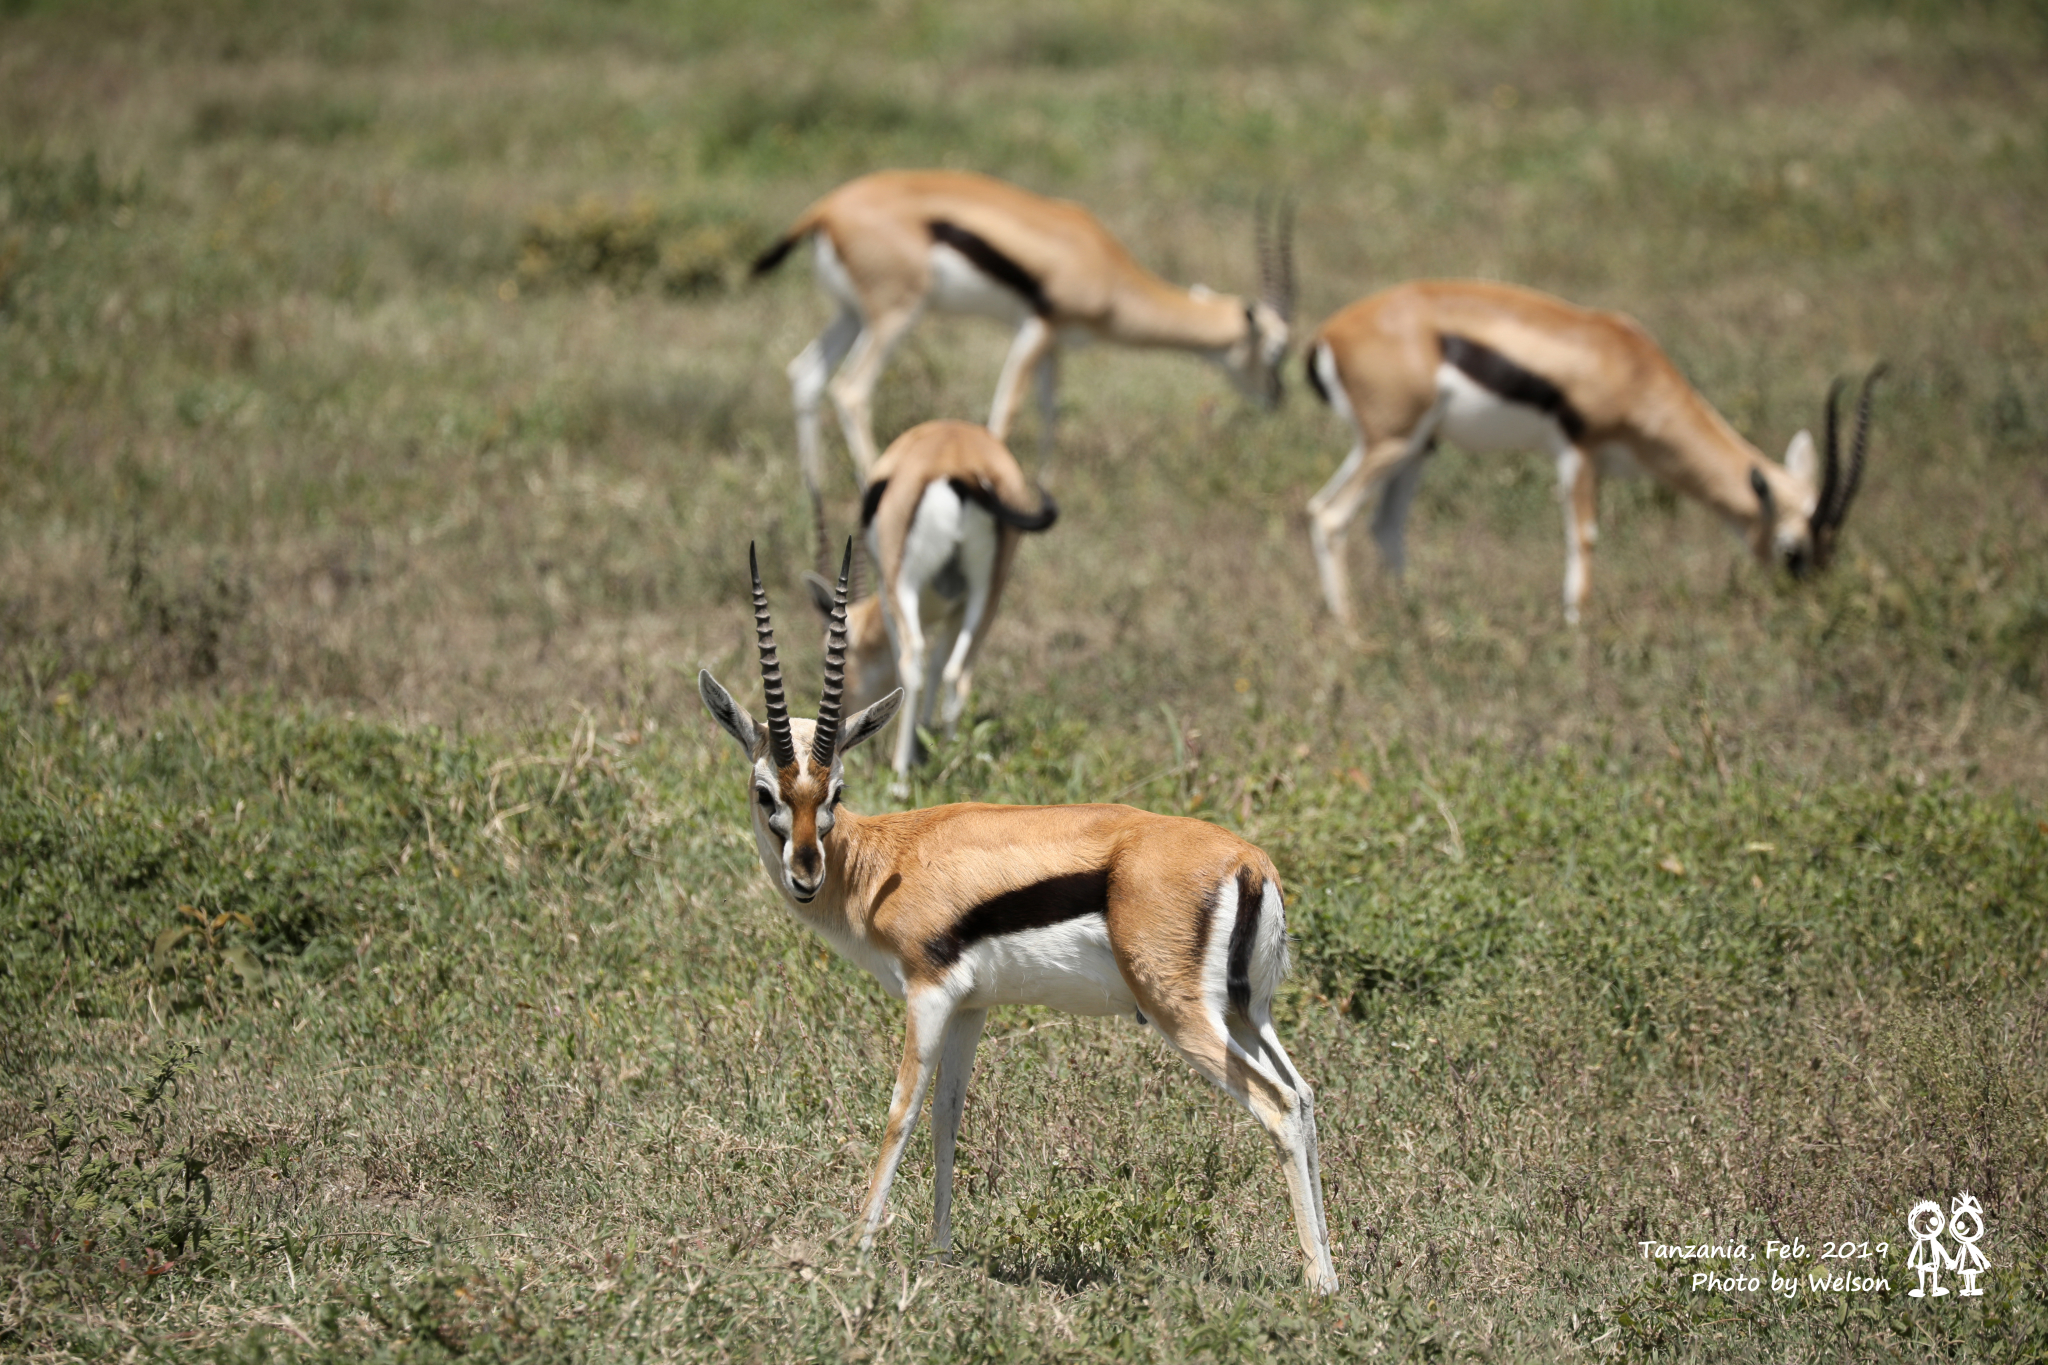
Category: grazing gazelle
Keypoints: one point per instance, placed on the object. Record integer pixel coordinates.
(1492, 367)
(894, 245)
(1089, 909)
(943, 512)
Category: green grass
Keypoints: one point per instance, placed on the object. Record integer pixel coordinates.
(382, 419)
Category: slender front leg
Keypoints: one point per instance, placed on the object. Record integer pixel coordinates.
(930, 1012)
(956, 1064)
(1035, 339)
(1578, 489)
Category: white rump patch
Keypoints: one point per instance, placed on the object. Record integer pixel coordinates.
(1333, 383)
(831, 272)
(949, 539)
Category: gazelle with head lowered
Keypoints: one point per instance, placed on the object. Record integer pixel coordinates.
(944, 509)
(1493, 367)
(957, 909)
(895, 245)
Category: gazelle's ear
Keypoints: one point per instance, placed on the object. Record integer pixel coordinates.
(1802, 461)
(730, 715)
(868, 722)
(821, 592)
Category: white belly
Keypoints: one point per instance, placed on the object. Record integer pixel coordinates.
(1477, 419)
(958, 287)
(1064, 966)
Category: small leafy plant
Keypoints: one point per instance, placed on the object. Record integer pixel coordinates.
(103, 1202)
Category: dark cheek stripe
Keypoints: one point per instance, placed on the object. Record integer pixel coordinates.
(1037, 906)
(1251, 895)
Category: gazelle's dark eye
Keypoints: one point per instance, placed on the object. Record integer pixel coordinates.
(767, 800)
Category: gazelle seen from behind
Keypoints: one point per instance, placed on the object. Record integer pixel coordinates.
(895, 245)
(957, 909)
(942, 515)
(1492, 367)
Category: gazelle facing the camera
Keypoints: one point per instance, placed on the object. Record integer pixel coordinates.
(1089, 909)
(895, 245)
(942, 516)
(1491, 367)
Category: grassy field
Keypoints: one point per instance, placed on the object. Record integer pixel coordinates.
(383, 417)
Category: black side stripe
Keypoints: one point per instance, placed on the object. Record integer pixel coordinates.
(993, 263)
(981, 495)
(1251, 896)
(1315, 379)
(1494, 372)
(1205, 928)
(1037, 906)
(870, 500)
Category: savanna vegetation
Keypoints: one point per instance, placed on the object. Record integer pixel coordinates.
(384, 414)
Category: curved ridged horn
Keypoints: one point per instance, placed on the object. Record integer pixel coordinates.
(1857, 446)
(858, 587)
(1831, 458)
(780, 746)
(1273, 232)
(826, 741)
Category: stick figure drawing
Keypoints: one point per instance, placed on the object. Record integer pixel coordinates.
(1926, 1224)
(1966, 1223)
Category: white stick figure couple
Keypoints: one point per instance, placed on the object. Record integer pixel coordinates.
(1965, 1222)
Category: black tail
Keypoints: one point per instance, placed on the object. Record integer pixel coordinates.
(1315, 381)
(985, 497)
(776, 255)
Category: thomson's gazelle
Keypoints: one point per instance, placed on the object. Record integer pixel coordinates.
(1090, 909)
(895, 245)
(943, 512)
(1493, 367)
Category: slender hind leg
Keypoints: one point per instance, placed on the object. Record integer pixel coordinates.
(853, 388)
(808, 375)
(978, 563)
(1034, 341)
(1285, 1111)
(1390, 518)
(1331, 510)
